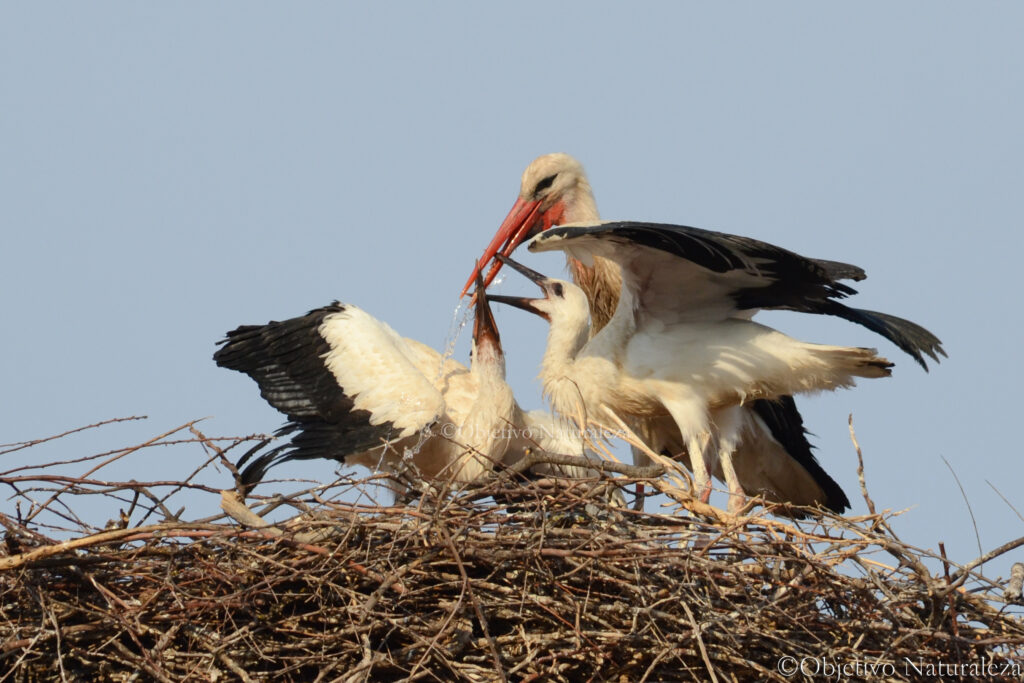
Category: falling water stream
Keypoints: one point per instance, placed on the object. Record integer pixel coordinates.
(460, 317)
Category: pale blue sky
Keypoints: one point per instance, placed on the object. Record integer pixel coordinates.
(168, 172)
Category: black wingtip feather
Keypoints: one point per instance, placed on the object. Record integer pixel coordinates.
(841, 271)
(787, 427)
(316, 440)
(911, 338)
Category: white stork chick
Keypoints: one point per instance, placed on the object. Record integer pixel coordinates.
(357, 392)
(647, 364)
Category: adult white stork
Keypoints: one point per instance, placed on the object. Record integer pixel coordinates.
(682, 358)
(355, 391)
(555, 191)
(774, 458)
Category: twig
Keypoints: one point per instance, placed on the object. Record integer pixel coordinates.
(103, 464)
(860, 468)
(35, 442)
(967, 502)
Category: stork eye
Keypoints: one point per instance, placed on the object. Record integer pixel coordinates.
(557, 289)
(545, 184)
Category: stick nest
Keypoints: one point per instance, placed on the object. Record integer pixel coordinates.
(510, 579)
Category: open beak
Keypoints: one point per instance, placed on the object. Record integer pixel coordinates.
(485, 330)
(525, 303)
(524, 220)
(535, 277)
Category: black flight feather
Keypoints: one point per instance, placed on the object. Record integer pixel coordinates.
(286, 359)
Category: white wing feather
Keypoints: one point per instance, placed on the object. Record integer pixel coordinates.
(662, 286)
(375, 367)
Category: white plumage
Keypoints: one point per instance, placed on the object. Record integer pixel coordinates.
(639, 366)
(385, 374)
(355, 390)
(773, 456)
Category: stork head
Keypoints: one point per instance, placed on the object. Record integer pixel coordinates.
(554, 191)
(563, 303)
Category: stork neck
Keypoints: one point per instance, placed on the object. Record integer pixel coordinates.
(494, 405)
(580, 206)
(565, 339)
(601, 283)
(488, 365)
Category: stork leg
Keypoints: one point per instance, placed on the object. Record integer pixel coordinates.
(728, 422)
(703, 463)
(644, 430)
(691, 416)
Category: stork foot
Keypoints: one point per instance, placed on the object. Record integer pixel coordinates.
(704, 492)
(737, 502)
(641, 496)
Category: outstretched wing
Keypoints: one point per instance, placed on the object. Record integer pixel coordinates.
(346, 381)
(677, 273)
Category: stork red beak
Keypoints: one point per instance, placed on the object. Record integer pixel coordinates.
(523, 221)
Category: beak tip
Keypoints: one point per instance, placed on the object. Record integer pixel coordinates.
(513, 230)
